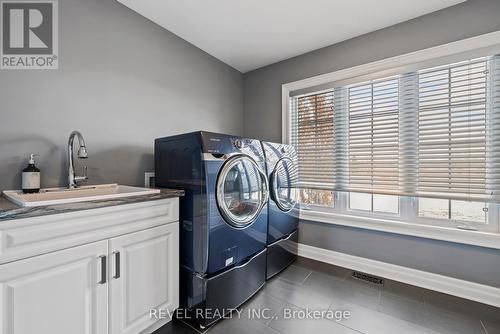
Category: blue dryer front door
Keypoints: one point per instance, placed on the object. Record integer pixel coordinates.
(238, 211)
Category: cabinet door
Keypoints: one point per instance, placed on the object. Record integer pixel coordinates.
(144, 275)
(57, 293)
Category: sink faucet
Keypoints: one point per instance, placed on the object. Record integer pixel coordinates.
(82, 154)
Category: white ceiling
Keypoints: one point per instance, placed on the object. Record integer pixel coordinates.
(248, 34)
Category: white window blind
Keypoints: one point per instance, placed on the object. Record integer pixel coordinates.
(373, 136)
(452, 129)
(433, 132)
(313, 137)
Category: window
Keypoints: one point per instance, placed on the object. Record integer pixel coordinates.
(460, 211)
(434, 208)
(420, 145)
(383, 204)
(314, 197)
(360, 201)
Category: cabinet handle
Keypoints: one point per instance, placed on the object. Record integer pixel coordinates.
(117, 265)
(103, 269)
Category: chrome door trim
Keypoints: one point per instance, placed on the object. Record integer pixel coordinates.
(265, 189)
(220, 191)
(274, 189)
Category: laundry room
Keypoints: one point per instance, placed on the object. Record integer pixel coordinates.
(249, 167)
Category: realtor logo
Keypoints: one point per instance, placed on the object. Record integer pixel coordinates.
(29, 35)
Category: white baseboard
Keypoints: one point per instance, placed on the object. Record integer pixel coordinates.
(449, 285)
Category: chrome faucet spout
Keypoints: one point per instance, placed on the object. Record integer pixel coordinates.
(82, 154)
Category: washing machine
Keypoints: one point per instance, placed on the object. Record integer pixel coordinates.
(283, 209)
(223, 219)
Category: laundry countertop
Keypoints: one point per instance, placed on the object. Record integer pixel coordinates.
(9, 210)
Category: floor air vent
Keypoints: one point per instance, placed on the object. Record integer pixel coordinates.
(367, 278)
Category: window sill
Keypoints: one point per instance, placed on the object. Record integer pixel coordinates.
(475, 238)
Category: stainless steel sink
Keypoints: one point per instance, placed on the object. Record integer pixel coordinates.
(51, 196)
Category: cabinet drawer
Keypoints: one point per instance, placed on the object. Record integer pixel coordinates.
(21, 238)
(281, 254)
(222, 292)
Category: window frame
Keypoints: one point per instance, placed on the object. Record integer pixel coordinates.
(408, 219)
(408, 214)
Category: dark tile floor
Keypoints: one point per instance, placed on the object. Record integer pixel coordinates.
(391, 308)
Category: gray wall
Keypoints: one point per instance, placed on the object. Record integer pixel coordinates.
(262, 87)
(262, 115)
(466, 262)
(122, 82)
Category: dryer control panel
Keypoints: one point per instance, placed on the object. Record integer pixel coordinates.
(216, 143)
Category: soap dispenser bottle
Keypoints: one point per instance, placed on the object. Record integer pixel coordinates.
(31, 177)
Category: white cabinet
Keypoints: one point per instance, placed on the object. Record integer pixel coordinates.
(144, 270)
(96, 271)
(58, 293)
